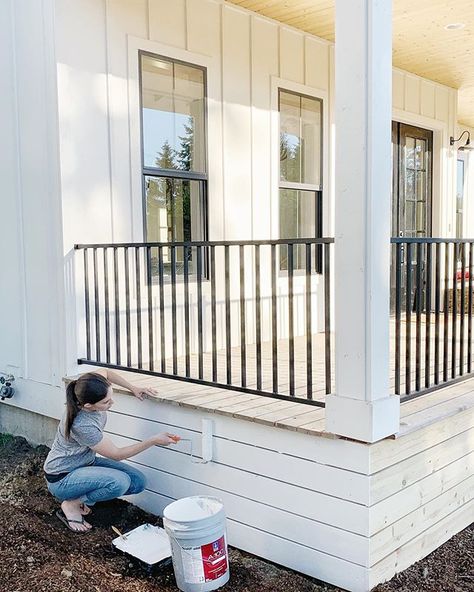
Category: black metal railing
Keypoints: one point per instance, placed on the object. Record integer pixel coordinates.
(221, 313)
(432, 310)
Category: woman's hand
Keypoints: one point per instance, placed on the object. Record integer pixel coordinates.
(165, 439)
(143, 392)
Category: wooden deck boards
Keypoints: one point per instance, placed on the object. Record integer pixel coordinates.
(415, 414)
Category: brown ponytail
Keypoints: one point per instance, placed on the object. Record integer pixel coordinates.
(88, 388)
(72, 407)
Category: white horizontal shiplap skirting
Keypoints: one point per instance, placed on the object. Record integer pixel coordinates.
(282, 550)
(421, 491)
(344, 512)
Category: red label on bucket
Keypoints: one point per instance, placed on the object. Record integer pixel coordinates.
(214, 559)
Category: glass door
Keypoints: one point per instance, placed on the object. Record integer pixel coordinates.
(412, 150)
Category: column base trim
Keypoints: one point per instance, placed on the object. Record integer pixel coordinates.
(366, 421)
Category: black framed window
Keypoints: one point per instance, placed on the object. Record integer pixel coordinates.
(300, 185)
(174, 149)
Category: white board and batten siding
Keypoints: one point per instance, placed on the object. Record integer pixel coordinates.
(81, 138)
(242, 51)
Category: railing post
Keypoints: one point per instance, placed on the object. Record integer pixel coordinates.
(362, 407)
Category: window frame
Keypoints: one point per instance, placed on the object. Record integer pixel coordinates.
(317, 189)
(157, 172)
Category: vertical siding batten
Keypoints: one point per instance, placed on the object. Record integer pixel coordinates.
(13, 355)
(124, 18)
(264, 65)
(168, 23)
(236, 122)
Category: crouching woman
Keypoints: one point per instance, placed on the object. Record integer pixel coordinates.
(74, 474)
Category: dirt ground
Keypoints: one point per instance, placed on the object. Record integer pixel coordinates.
(38, 554)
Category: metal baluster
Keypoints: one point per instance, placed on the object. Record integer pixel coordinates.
(274, 323)
(200, 331)
(117, 309)
(87, 304)
(161, 281)
(213, 314)
(437, 310)
(291, 330)
(127, 306)
(428, 317)
(469, 314)
(455, 312)
(96, 308)
(327, 314)
(173, 310)
(463, 306)
(227, 316)
(186, 310)
(243, 348)
(151, 355)
(309, 330)
(419, 297)
(106, 305)
(408, 323)
(446, 312)
(139, 308)
(258, 322)
(398, 308)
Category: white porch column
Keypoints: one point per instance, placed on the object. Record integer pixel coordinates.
(361, 407)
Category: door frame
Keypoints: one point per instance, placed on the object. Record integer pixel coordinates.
(440, 220)
(397, 214)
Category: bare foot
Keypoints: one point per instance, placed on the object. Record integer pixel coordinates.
(72, 511)
(85, 510)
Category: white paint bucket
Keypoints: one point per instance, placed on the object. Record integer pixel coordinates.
(196, 527)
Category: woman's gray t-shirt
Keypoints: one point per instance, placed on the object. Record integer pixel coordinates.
(69, 454)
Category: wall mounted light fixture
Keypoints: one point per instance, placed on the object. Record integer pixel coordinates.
(467, 145)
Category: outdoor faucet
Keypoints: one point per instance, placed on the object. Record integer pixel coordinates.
(6, 389)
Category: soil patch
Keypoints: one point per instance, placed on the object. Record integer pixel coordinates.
(38, 554)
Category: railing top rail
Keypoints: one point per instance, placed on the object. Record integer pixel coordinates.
(404, 239)
(292, 241)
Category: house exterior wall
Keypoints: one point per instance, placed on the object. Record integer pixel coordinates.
(73, 167)
(247, 58)
(32, 308)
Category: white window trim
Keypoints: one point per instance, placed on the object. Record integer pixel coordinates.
(316, 93)
(213, 126)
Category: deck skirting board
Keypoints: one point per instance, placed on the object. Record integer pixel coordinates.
(308, 474)
(348, 513)
(280, 494)
(415, 523)
(391, 451)
(345, 574)
(412, 470)
(331, 451)
(298, 529)
(422, 545)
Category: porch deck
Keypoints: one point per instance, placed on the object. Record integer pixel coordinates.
(415, 414)
(419, 347)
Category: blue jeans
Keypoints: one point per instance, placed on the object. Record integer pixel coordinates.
(104, 479)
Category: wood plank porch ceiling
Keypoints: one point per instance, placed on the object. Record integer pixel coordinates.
(421, 44)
